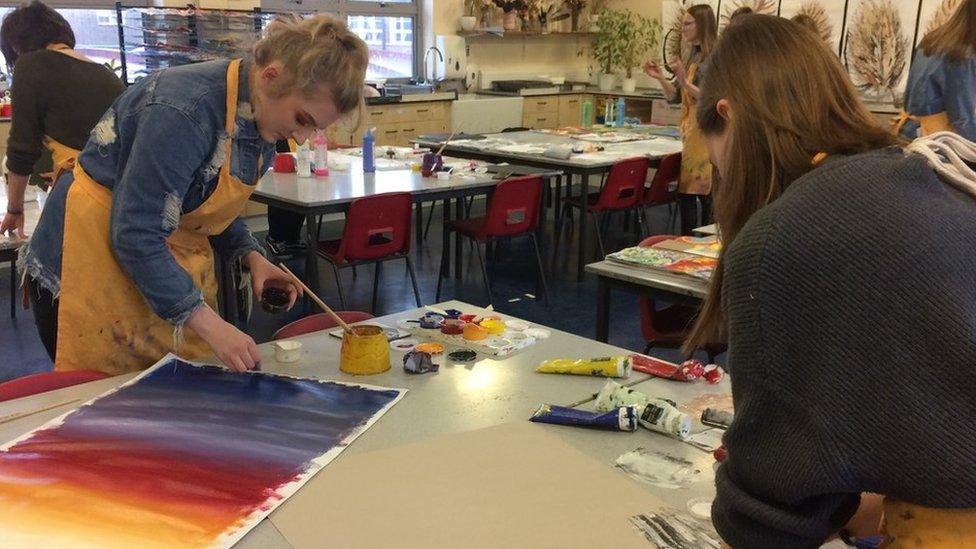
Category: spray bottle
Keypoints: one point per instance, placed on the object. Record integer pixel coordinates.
(321, 154)
(608, 113)
(621, 112)
(587, 113)
(368, 141)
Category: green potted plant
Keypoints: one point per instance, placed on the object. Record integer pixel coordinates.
(644, 34)
(609, 45)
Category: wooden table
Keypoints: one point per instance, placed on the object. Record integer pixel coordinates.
(583, 165)
(673, 287)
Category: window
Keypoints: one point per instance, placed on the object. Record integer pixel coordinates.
(109, 19)
(390, 41)
(96, 34)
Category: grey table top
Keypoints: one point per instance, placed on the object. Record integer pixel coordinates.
(344, 186)
(527, 146)
(458, 398)
(652, 278)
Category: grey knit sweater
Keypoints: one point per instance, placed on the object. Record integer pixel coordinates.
(851, 309)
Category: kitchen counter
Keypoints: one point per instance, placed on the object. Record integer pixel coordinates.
(640, 93)
(413, 98)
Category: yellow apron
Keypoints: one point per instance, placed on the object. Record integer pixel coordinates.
(104, 323)
(932, 123)
(907, 525)
(696, 168)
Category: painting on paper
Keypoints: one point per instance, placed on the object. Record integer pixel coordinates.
(878, 47)
(728, 7)
(828, 15)
(933, 14)
(184, 455)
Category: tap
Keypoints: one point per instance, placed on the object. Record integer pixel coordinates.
(426, 53)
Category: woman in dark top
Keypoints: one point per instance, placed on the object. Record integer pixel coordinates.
(58, 97)
(845, 289)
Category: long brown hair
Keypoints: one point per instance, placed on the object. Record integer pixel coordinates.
(956, 39)
(791, 100)
(706, 26)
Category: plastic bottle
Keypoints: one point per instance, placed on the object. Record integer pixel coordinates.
(321, 154)
(621, 112)
(303, 160)
(368, 141)
(608, 113)
(587, 113)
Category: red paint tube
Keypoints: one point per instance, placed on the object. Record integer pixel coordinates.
(689, 370)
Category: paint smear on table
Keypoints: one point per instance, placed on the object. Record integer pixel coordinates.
(185, 455)
(671, 529)
(658, 468)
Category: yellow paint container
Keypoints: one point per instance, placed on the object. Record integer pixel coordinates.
(474, 332)
(495, 326)
(365, 351)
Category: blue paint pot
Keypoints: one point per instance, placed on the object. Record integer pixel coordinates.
(431, 321)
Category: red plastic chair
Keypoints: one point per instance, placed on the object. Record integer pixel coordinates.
(317, 323)
(662, 190)
(622, 191)
(669, 327)
(46, 381)
(513, 210)
(377, 230)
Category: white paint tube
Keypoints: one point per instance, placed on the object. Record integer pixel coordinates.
(614, 395)
(664, 417)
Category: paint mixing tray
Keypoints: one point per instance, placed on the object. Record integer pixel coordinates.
(500, 346)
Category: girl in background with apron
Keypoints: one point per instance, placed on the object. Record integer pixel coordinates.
(941, 91)
(700, 30)
(125, 241)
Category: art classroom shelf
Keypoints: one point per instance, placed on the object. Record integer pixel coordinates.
(523, 34)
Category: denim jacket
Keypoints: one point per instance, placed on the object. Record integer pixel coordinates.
(936, 84)
(159, 150)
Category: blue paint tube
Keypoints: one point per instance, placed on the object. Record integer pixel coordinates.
(620, 419)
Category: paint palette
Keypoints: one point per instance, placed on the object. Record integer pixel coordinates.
(502, 345)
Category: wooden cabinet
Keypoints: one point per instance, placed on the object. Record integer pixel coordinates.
(397, 124)
(570, 110)
(540, 113)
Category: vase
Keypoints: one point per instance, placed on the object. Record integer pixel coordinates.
(607, 81)
(574, 17)
(510, 20)
(485, 18)
(468, 22)
(628, 85)
(543, 24)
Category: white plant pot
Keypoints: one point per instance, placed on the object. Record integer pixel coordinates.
(607, 81)
(468, 22)
(628, 85)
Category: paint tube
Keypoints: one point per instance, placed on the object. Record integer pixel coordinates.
(611, 366)
(721, 419)
(689, 370)
(664, 417)
(614, 395)
(621, 419)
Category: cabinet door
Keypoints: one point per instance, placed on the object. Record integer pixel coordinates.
(387, 135)
(540, 121)
(570, 110)
(544, 104)
(408, 131)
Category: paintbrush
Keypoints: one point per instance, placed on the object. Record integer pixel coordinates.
(18, 415)
(316, 299)
(446, 141)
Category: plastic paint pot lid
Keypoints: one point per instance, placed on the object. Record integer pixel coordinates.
(431, 348)
(538, 333)
(517, 325)
(404, 345)
(463, 355)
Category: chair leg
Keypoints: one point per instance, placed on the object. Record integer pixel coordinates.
(413, 280)
(542, 271)
(429, 219)
(342, 298)
(376, 285)
(599, 237)
(484, 271)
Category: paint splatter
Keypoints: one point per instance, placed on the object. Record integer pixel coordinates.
(190, 453)
(658, 468)
(670, 529)
(104, 132)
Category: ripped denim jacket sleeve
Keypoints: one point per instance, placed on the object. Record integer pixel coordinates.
(147, 202)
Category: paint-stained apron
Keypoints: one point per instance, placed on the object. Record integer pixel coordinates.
(696, 168)
(104, 323)
(914, 526)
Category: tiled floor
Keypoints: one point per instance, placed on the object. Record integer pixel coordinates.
(572, 305)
